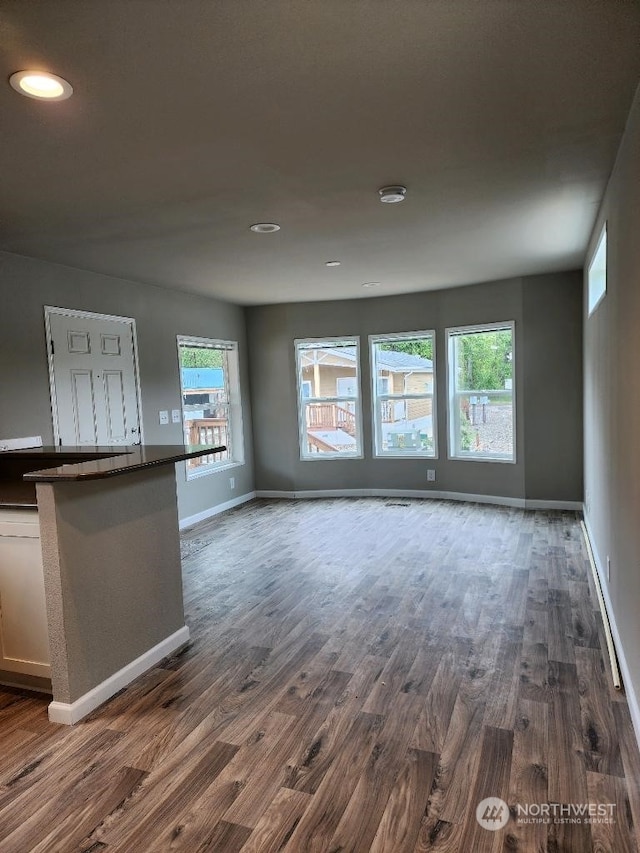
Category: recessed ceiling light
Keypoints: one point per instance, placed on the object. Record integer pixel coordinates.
(41, 85)
(265, 227)
(392, 195)
(372, 284)
(332, 263)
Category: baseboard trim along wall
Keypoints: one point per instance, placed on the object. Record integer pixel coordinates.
(518, 503)
(70, 713)
(632, 699)
(190, 520)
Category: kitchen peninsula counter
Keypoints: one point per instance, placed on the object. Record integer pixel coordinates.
(109, 536)
(102, 462)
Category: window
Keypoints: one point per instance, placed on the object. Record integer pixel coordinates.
(481, 392)
(211, 410)
(403, 377)
(329, 398)
(597, 274)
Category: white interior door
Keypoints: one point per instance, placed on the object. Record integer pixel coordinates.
(94, 378)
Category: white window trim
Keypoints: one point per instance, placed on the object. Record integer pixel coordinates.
(352, 340)
(453, 410)
(234, 395)
(375, 397)
(603, 238)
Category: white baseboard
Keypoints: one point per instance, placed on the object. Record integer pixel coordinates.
(190, 520)
(432, 494)
(632, 699)
(70, 713)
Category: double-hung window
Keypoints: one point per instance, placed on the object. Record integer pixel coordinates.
(328, 380)
(211, 407)
(481, 381)
(403, 383)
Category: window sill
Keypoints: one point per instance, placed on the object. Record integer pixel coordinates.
(331, 457)
(501, 460)
(210, 469)
(401, 455)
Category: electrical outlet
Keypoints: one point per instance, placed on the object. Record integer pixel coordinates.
(431, 475)
(608, 568)
(175, 416)
(232, 482)
(163, 417)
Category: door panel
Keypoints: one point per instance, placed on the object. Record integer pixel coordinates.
(83, 408)
(116, 405)
(93, 379)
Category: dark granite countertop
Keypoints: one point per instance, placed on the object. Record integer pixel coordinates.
(61, 464)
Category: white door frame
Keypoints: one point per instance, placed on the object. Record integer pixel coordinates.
(88, 315)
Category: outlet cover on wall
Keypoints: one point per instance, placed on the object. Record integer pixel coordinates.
(175, 416)
(163, 416)
(431, 475)
(232, 482)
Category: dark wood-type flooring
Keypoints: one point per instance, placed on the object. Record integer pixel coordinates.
(362, 674)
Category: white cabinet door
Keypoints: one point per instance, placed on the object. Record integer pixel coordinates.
(94, 387)
(24, 640)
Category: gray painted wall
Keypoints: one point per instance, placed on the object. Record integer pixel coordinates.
(27, 285)
(547, 312)
(552, 353)
(612, 399)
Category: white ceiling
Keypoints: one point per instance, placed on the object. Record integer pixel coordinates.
(193, 119)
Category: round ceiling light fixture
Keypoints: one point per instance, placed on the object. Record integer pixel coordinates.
(265, 227)
(41, 85)
(332, 263)
(393, 194)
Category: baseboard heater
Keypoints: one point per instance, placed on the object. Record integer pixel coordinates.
(613, 658)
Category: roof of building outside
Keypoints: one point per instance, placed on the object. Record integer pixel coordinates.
(395, 361)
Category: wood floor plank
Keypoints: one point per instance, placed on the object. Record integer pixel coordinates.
(458, 762)
(491, 780)
(278, 822)
(400, 824)
(630, 760)
(601, 747)
(319, 822)
(567, 766)
(166, 815)
(612, 825)
(529, 781)
(431, 730)
(72, 830)
(311, 760)
(360, 673)
(361, 818)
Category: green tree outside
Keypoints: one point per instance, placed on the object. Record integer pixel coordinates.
(484, 360)
(200, 357)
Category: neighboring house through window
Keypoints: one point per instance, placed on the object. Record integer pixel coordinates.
(403, 382)
(329, 398)
(211, 407)
(481, 380)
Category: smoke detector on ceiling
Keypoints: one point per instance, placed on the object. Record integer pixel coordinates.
(392, 195)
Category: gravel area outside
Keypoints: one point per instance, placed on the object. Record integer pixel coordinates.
(496, 434)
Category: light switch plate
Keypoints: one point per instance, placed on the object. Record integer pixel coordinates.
(164, 417)
(175, 416)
